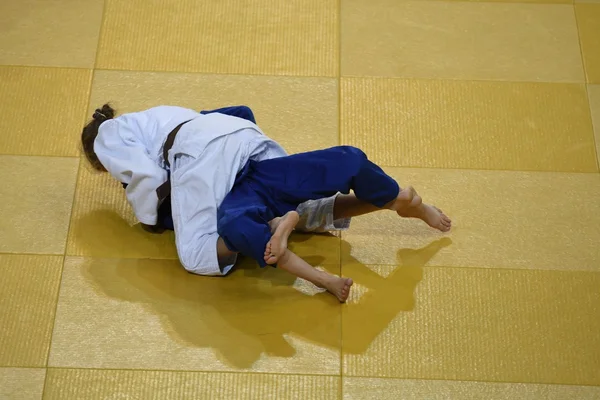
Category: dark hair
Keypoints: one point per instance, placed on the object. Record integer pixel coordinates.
(90, 131)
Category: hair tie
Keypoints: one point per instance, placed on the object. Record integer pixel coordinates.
(98, 115)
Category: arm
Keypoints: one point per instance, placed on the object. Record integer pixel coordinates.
(127, 159)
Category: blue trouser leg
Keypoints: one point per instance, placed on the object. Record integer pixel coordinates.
(165, 217)
(271, 188)
(243, 222)
(292, 180)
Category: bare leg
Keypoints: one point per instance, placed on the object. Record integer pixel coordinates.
(348, 206)
(224, 255)
(408, 205)
(277, 252)
(339, 287)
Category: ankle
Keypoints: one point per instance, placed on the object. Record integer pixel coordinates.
(285, 257)
(392, 205)
(321, 282)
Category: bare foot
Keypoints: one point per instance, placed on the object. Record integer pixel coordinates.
(278, 243)
(432, 216)
(339, 287)
(274, 223)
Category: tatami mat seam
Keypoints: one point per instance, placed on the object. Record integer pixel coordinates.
(586, 86)
(502, 2)
(382, 264)
(478, 80)
(319, 375)
(467, 380)
(36, 155)
(339, 128)
(53, 324)
(38, 66)
(190, 371)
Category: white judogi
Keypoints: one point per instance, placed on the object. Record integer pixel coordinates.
(207, 154)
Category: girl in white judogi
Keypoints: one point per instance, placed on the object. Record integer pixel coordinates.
(203, 161)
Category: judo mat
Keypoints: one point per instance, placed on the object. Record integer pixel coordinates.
(491, 109)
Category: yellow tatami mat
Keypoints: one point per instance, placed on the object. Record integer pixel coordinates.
(42, 107)
(102, 384)
(474, 324)
(22, 383)
(231, 36)
(489, 108)
(103, 225)
(594, 93)
(393, 389)
(279, 103)
(53, 33)
(138, 313)
(460, 40)
(588, 17)
(464, 124)
(37, 196)
(502, 219)
(29, 288)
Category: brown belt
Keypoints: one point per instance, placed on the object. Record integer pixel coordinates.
(164, 190)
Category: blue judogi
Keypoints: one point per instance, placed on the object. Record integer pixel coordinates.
(267, 189)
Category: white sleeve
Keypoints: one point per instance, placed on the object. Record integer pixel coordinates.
(126, 158)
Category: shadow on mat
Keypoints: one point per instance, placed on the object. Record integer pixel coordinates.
(254, 311)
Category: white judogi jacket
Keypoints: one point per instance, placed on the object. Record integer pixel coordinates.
(207, 154)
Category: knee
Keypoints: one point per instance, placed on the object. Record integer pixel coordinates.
(354, 154)
(354, 151)
(187, 262)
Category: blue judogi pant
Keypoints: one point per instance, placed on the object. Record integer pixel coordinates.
(165, 216)
(271, 188)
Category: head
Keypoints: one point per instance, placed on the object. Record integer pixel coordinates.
(90, 131)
